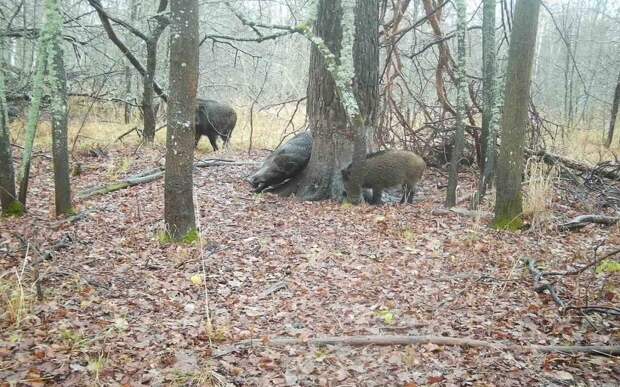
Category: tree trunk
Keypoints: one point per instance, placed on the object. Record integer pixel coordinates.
(127, 94)
(333, 133)
(8, 198)
(461, 105)
(614, 114)
(331, 145)
(365, 82)
(147, 95)
(178, 186)
(489, 133)
(58, 87)
(508, 204)
(46, 37)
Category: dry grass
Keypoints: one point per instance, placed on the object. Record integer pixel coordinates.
(586, 146)
(15, 299)
(538, 193)
(104, 126)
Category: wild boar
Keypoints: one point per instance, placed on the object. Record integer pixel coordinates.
(285, 162)
(214, 119)
(386, 169)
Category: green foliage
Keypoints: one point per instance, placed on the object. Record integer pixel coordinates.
(608, 266)
(386, 315)
(191, 238)
(15, 209)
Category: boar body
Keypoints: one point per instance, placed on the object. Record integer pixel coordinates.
(285, 162)
(214, 119)
(387, 169)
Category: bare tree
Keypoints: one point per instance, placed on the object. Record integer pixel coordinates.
(489, 91)
(614, 114)
(461, 106)
(508, 204)
(178, 190)
(8, 198)
(51, 30)
(57, 80)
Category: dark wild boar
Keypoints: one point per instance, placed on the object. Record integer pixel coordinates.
(214, 119)
(285, 162)
(386, 169)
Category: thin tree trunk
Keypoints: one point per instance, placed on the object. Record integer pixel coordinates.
(45, 39)
(614, 114)
(127, 95)
(58, 87)
(8, 198)
(508, 203)
(147, 95)
(489, 133)
(461, 105)
(178, 187)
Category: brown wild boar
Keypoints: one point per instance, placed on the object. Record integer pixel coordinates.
(386, 169)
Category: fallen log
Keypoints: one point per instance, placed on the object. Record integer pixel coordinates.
(606, 350)
(609, 171)
(583, 220)
(149, 176)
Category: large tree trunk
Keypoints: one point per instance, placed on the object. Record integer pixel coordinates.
(58, 87)
(614, 114)
(461, 105)
(333, 138)
(8, 198)
(178, 186)
(508, 204)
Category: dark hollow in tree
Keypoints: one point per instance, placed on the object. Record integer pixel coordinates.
(214, 119)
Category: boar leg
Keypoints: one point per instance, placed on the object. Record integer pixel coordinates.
(376, 196)
(213, 141)
(198, 135)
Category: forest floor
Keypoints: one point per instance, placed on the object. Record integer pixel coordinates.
(120, 307)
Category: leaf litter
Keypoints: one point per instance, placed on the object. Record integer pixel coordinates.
(121, 308)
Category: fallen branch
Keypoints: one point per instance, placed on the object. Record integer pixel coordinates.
(583, 220)
(610, 171)
(607, 350)
(149, 176)
(540, 284)
(462, 211)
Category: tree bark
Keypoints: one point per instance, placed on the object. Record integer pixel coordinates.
(46, 38)
(8, 198)
(614, 114)
(489, 114)
(58, 86)
(331, 145)
(461, 105)
(334, 133)
(508, 203)
(148, 112)
(178, 185)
